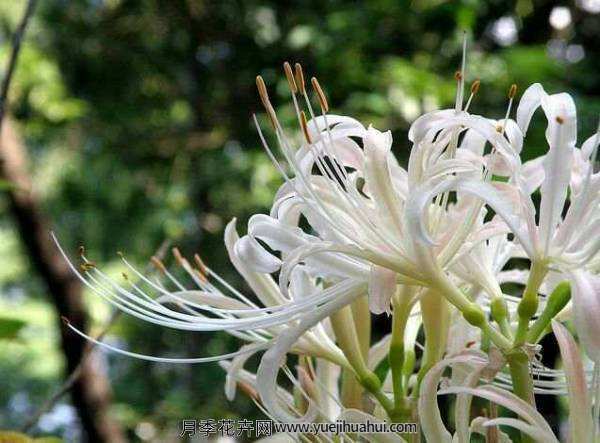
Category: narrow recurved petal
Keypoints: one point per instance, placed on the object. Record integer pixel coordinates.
(382, 285)
(585, 290)
(580, 414)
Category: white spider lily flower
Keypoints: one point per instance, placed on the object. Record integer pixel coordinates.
(349, 222)
(564, 242)
(208, 303)
(363, 223)
(551, 242)
(438, 131)
(355, 197)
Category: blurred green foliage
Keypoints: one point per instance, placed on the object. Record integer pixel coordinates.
(136, 116)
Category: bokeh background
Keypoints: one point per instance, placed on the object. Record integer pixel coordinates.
(131, 121)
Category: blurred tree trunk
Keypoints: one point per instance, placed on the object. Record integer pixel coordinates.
(91, 392)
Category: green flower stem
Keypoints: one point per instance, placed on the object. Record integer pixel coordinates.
(435, 313)
(351, 390)
(362, 321)
(410, 359)
(518, 363)
(345, 331)
(344, 327)
(529, 302)
(402, 305)
(556, 302)
(500, 314)
(472, 312)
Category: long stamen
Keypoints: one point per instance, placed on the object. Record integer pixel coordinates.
(474, 91)
(327, 146)
(209, 324)
(304, 125)
(318, 206)
(320, 94)
(460, 75)
(512, 92)
(442, 202)
(264, 97)
(299, 83)
(337, 165)
(501, 129)
(281, 137)
(165, 360)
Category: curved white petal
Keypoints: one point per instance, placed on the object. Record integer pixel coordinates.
(588, 146)
(532, 175)
(580, 413)
(557, 175)
(273, 359)
(237, 365)
(417, 217)
(429, 413)
(379, 182)
(530, 101)
(561, 134)
(382, 285)
(506, 399)
(477, 427)
(279, 236)
(422, 125)
(263, 285)
(534, 432)
(585, 290)
(250, 251)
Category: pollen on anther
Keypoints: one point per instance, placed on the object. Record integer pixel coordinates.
(125, 276)
(87, 266)
(181, 260)
(200, 264)
(200, 275)
(475, 87)
(512, 91)
(264, 97)
(320, 94)
(304, 125)
(458, 76)
(290, 77)
(177, 255)
(262, 90)
(300, 78)
(158, 264)
(81, 250)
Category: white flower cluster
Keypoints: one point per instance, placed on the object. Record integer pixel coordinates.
(352, 233)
